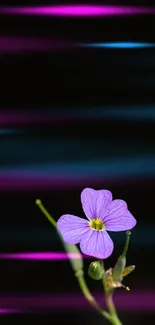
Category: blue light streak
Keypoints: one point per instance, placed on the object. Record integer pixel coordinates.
(120, 45)
(5, 131)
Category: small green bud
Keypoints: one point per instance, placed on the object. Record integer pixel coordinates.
(95, 270)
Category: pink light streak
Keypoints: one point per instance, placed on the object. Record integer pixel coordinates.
(9, 311)
(14, 44)
(14, 117)
(77, 10)
(135, 300)
(56, 182)
(40, 256)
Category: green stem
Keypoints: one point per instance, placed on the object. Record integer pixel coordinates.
(46, 213)
(128, 234)
(90, 298)
(109, 300)
(112, 310)
(79, 274)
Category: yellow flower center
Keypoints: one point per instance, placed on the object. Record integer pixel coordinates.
(96, 224)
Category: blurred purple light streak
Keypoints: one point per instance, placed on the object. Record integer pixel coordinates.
(22, 45)
(32, 183)
(12, 44)
(50, 116)
(77, 10)
(39, 256)
(13, 117)
(9, 311)
(72, 175)
(141, 301)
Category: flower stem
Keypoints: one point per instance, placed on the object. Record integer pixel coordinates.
(45, 212)
(128, 234)
(112, 310)
(79, 274)
(109, 301)
(90, 298)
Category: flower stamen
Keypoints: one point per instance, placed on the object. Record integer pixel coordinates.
(96, 224)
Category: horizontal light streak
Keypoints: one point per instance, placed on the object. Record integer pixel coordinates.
(68, 116)
(37, 239)
(139, 301)
(74, 175)
(22, 45)
(40, 256)
(9, 311)
(5, 131)
(77, 10)
(119, 45)
(30, 117)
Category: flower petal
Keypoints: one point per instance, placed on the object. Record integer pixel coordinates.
(72, 228)
(104, 198)
(97, 244)
(95, 202)
(118, 217)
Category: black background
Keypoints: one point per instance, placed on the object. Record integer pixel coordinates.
(63, 82)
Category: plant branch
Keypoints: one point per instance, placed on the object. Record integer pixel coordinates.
(79, 273)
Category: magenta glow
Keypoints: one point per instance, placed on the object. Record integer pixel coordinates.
(40, 256)
(13, 44)
(9, 311)
(138, 301)
(14, 117)
(77, 10)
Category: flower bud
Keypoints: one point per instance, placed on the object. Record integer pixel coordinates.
(95, 270)
(111, 284)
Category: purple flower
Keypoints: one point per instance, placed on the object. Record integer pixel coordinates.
(103, 214)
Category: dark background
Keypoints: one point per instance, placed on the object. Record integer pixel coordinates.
(72, 118)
